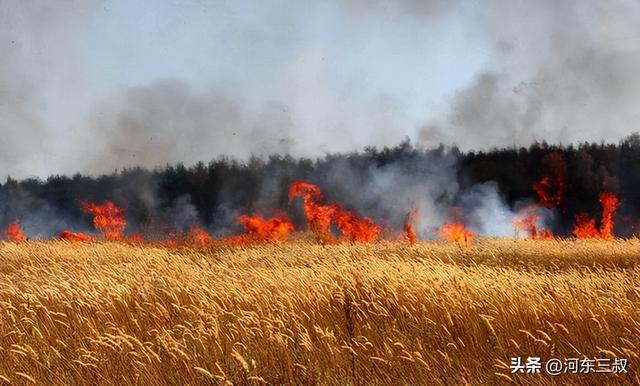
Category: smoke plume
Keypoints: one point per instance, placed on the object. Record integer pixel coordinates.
(560, 71)
(554, 71)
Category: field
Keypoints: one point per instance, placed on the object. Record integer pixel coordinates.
(302, 313)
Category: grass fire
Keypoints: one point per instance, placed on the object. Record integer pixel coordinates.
(316, 292)
(329, 222)
(339, 192)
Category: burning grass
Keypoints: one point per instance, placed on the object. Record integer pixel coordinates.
(331, 224)
(305, 313)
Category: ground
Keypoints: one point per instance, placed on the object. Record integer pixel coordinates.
(301, 313)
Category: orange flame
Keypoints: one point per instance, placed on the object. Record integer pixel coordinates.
(76, 237)
(14, 232)
(609, 204)
(136, 238)
(273, 229)
(108, 219)
(409, 232)
(585, 227)
(550, 190)
(456, 232)
(529, 224)
(320, 217)
(198, 237)
(308, 192)
(357, 229)
(544, 188)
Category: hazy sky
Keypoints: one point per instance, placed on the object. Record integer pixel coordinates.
(94, 85)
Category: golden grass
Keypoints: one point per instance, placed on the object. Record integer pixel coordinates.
(300, 313)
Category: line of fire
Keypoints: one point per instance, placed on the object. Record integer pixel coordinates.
(329, 222)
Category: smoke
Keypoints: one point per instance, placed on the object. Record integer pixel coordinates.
(560, 71)
(182, 214)
(414, 178)
(389, 192)
(39, 217)
(485, 211)
(33, 42)
(170, 122)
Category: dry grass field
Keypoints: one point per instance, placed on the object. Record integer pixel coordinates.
(302, 313)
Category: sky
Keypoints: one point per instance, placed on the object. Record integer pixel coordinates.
(91, 86)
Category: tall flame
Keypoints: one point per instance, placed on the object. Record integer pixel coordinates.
(14, 232)
(550, 190)
(609, 204)
(318, 216)
(354, 228)
(585, 226)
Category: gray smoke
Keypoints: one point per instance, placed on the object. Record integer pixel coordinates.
(429, 184)
(391, 191)
(182, 214)
(560, 71)
(20, 125)
(169, 122)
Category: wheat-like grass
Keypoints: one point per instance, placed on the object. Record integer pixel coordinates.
(302, 313)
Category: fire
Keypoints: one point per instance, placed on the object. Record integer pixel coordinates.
(409, 232)
(456, 232)
(545, 191)
(14, 232)
(320, 216)
(585, 227)
(609, 204)
(76, 237)
(171, 241)
(331, 223)
(136, 238)
(354, 228)
(198, 237)
(529, 224)
(307, 191)
(273, 229)
(195, 237)
(108, 219)
(550, 190)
